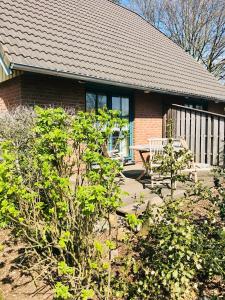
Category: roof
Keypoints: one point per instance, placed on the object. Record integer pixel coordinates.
(99, 41)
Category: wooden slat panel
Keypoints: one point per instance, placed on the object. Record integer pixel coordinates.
(215, 140)
(165, 116)
(209, 141)
(198, 135)
(203, 131)
(174, 121)
(188, 129)
(203, 138)
(183, 125)
(171, 118)
(178, 123)
(193, 137)
(221, 141)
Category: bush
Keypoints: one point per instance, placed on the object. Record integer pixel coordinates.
(16, 124)
(165, 260)
(55, 189)
(175, 255)
(178, 252)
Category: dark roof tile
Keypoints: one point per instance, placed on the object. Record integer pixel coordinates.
(98, 39)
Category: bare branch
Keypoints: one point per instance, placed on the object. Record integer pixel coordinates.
(198, 26)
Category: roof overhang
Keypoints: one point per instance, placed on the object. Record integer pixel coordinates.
(59, 73)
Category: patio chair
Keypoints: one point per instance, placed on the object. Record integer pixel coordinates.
(156, 147)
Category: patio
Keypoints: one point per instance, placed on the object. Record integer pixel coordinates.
(136, 190)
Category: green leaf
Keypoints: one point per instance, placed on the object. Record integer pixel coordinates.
(175, 274)
(62, 291)
(87, 294)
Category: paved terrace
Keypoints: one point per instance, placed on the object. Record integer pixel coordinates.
(136, 190)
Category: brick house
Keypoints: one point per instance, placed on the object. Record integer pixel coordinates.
(93, 53)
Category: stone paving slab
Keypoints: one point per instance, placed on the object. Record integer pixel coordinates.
(136, 198)
(137, 195)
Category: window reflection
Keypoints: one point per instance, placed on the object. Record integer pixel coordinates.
(102, 101)
(115, 140)
(90, 102)
(116, 103)
(121, 145)
(125, 107)
(122, 104)
(95, 101)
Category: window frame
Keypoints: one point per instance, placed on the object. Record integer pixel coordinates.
(96, 99)
(109, 95)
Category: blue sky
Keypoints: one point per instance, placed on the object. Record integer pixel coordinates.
(124, 2)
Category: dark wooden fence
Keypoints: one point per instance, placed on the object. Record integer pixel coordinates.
(203, 132)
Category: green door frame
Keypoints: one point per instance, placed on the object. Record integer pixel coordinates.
(115, 92)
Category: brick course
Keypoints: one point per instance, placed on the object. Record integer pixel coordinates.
(47, 90)
(34, 89)
(10, 94)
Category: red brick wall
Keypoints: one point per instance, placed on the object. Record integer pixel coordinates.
(48, 90)
(148, 118)
(41, 90)
(10, 93)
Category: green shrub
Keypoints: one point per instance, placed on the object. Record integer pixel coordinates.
(211, 229)
(54, 191)
(166, 258)
(219, 179)
(177, 253)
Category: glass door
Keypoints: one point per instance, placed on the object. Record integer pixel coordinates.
(95, 101)
(122, 104)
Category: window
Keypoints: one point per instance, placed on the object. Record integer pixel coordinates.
(98, 100)
(122, 104)
(195, 105)
(101, 101)
(95, 101)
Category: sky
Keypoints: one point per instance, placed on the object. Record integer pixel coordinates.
(124, 2)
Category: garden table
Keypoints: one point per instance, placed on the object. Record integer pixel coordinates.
(142, 149)
(155, 146)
